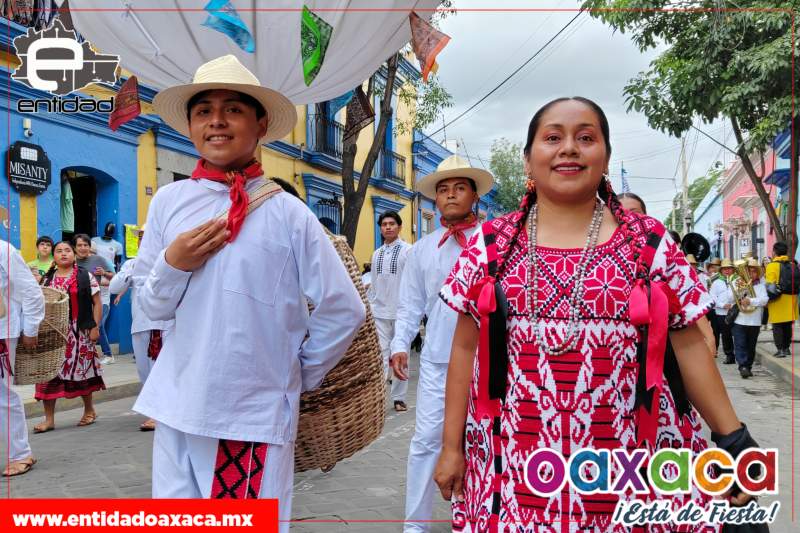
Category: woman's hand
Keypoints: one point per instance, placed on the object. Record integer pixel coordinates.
(94, 334)
(449, 474)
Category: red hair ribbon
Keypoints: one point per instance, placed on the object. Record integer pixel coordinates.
(654, 314)
(483, 293)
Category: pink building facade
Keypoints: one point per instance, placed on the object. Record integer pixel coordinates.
(745, 227)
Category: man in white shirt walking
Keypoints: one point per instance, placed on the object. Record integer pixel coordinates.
(456, 187)
(388, 262)
(226, 390)
(21, 312)
(747, 325)
(147, 335)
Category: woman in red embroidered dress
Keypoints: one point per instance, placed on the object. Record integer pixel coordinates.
(80, 373)
(569, 376)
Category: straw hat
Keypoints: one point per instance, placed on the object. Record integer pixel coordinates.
(726, 263)
(455, 167)
(226, 72)
(690, 259)
(753, 262)
(715, 261)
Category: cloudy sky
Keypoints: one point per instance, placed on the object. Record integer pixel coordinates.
(587, 60)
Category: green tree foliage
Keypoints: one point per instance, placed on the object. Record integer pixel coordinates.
(509, 173)
(426, 101)
(697, 191)
(723, 59)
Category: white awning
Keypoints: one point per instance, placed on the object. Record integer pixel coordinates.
(163, 42)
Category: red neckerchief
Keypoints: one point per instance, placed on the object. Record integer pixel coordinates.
(456, 230)
(236, 180)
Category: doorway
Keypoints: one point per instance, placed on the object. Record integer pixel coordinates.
(84, 205)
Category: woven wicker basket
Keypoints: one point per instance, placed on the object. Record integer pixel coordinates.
(346, 413)
(42, 363)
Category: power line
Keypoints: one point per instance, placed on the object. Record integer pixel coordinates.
(487, 95)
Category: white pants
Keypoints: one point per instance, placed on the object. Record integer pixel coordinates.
(425, 445)
(183, 467)
(141, 341)
(385, 328)
(12, 414)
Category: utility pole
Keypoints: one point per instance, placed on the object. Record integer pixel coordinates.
(674, 208)
(685, 186)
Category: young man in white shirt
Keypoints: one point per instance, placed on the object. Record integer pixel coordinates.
(721, 293)
(388, 262)
(22, 309)
(456, 187)
(226, 390)
(747, 325)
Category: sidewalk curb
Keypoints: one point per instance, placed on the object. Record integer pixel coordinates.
(780, 368)
(117, 391)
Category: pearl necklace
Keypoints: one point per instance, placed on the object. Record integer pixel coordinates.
(571, 339)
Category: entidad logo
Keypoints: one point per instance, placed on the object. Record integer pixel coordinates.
(55, 61)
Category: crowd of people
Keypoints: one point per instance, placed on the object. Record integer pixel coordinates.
(538, 324)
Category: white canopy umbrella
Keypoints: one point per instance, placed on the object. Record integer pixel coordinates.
(164, 41)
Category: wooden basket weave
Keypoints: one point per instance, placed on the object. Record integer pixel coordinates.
(346, 413)
(42, 363)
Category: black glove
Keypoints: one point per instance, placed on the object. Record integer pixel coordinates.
(735, 443)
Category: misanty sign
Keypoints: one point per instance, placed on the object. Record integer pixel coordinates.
(29, 168)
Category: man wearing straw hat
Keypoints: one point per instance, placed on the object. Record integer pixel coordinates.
(747, 325)
(21, 312)
(721, 293)
(456, 187)
(225, 392)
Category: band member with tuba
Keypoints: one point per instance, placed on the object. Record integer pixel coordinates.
(750, 295)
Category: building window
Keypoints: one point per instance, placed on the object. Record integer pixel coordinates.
(323, 198)
(329, 213)
(178, 177)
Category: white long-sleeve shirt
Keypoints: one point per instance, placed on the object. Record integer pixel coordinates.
(759, 301)
(721, 294)
(21, 295)
(238, 357)
(427, 266)
(388, 262)
(124, 280)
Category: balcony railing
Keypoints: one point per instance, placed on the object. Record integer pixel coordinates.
(325, 135)
(391, 166)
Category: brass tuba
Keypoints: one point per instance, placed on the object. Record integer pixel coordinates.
(742, 286)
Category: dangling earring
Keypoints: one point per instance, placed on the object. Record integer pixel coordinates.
(530, 183)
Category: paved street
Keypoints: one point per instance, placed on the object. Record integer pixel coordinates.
(112, 459)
